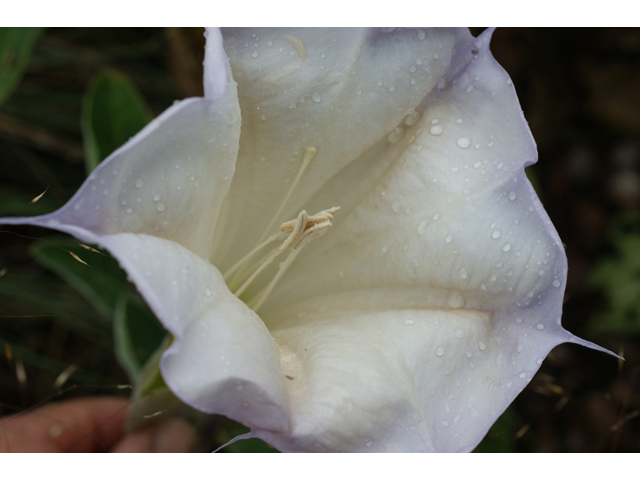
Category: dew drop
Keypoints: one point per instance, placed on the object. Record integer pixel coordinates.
(481, 345)
(385, 248)
(522, 375)
(422, 226)
(458, 332)
(156, 197)
(439, 351)
(478, 164)
(421, 34)
(512, 195)
(408, 323)
(556, 283)
(463, 142)
(540, 326)
(160, 207)
(395, 136)
(518, 320)
(463, 272)
(207, 292)
(496, 234)
(411, 119)
(139, 183)
(449, 239)
(506, 247)
(254, 54)
(396, 205)
(437, 130)
(129, 210)
(520, 348)
(316, 98)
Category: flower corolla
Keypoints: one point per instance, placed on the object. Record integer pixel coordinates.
(340, 236)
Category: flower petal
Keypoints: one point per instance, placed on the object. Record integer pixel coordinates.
(437, 214)
(293, 85)
(216, 65)
(406, 380)
(223, 359)
(167, 181)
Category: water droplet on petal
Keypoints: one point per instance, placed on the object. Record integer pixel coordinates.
(496, 234)
(506, 247)
(436, 130)
(409, 322)
(439, 351)
(156, 197)
(139, 183)
(463, 272)
(316, 98)
(449, 239)
(395, 136)
(160, 207)
(540, 326)
(556, 283)
(463, 142)
(481, 345)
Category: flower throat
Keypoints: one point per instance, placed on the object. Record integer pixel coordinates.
(300, 231)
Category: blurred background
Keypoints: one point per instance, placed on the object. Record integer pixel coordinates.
(68, 97)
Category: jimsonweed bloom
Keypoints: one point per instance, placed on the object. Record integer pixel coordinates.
(340, 236)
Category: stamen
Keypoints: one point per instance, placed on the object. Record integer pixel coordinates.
(309, 153)
(240, 262)
(301, 231)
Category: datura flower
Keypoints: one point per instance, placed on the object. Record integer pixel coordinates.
(340, 236)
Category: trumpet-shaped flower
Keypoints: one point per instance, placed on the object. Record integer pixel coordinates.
(340, 236)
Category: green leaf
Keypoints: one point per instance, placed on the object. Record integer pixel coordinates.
(138, 335)
(533, 178)
(16, 45)
(101, 283)
(113, 111)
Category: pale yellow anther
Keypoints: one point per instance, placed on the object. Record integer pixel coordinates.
(306, 226)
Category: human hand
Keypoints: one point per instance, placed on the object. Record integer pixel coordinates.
(93, 424)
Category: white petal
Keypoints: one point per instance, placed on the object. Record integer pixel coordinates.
(442, 233)
(406, 380)
(432, 216)
(342, 92)
(216, 65)
(223, 359)
(167, 181)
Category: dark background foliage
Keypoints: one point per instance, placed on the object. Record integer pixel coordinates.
(579, 89)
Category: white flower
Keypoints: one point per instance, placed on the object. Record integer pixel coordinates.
(434, 292)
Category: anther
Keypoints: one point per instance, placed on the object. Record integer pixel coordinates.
(299, 233)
